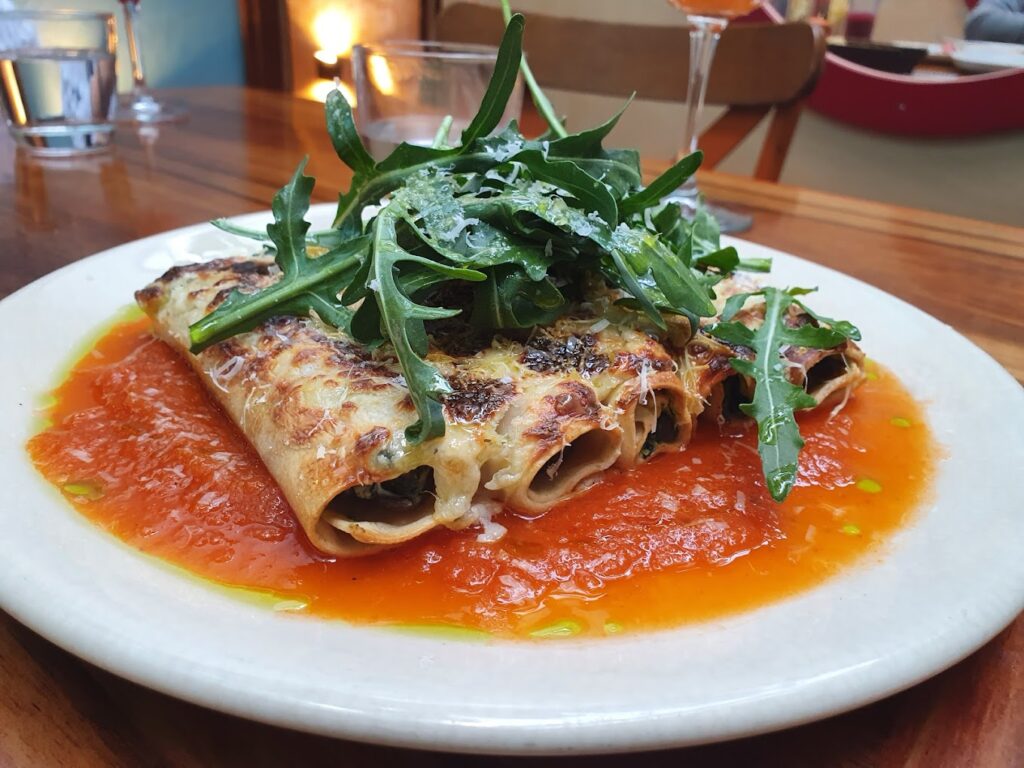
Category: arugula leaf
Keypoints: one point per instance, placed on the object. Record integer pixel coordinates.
(634, 259)
(503, 81)
(402, 318)
(226, 225)
(755, 265)
(328, 238)
(725, 260)
(565, 174)
(511, 299)
(342, 130)
(539, 99)
(704, 231)
(846, 329)
(668, 222)
(776, 398)
(371, 189)
(441, 136)
(306, 284)
(587, 143)
(669, 181)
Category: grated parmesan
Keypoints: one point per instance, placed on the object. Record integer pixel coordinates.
(456, 229)
(484, 511)
(226, 371)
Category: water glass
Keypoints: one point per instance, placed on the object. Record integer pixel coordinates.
(405, 90)
(58, 79)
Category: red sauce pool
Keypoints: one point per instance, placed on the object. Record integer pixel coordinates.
(138, 447)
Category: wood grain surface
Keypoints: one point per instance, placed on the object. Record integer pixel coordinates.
(238, 148)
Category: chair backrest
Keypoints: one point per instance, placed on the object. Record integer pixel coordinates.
(264, 26)
(757, 66)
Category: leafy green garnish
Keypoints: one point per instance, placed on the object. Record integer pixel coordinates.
(402, 319)
(540, 100)
(663, 185)
(776, 398)
(306, 285)
(503, 232)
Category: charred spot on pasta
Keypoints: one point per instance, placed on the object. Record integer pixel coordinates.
(550, 354)
(457, 337)
(475, 399)
(573, 401)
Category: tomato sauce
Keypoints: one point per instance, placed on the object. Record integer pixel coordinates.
(137, 446)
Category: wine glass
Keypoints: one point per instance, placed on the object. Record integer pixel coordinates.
(140, 106)
(707, 19)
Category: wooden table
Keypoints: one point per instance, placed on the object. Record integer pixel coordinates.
(239, 147)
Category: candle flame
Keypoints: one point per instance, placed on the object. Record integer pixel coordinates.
(333, 32)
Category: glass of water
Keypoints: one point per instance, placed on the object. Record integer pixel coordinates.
(58, 80)
(405, 90)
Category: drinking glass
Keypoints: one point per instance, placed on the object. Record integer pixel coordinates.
(860, 19)
(707, 20)
(140, 105)
(406, 89)
(58, 80)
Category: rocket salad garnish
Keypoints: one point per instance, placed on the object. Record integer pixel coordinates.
(514, 225)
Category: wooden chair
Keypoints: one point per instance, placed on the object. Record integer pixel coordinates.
(264, 28)
(758, 69)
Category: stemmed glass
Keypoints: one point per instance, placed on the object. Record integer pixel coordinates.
(707, 19)
(140, 106)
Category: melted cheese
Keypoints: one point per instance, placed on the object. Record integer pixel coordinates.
(529, 422)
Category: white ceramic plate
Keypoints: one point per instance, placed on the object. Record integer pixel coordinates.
(944, 586)
(979, 56)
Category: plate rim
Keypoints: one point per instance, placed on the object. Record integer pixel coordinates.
(507, 739)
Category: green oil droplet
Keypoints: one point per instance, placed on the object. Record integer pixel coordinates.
(566, 628)
(868, 485)
(899, 421)
(83, 490)
(870, 375)
(290, 605)
(850, 530)
(612, 628)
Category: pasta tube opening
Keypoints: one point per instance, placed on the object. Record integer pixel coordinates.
(836, 376)
(387, 512)
(387, 501)
(569, 467)
(655, 421)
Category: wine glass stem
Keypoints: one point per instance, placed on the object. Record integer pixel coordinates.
(705, 32)
(131, 10)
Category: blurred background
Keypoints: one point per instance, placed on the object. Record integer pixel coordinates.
(207, 42)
